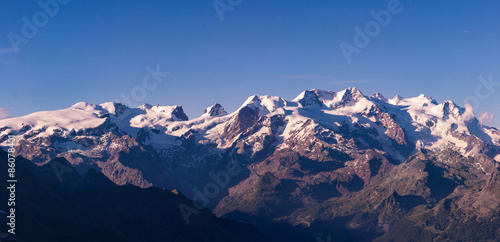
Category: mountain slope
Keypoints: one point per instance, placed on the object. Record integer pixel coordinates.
(92, 208)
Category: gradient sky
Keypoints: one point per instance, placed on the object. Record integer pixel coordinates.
(96, 51)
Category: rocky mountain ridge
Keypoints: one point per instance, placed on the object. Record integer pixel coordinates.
(324, 161)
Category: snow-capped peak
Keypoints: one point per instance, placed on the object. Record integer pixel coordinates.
(426, 99)
(172, 113)
(395, 100)
(379, 96)
(79, 116)
(114, 108)
(350, 96)
(88, 107)
(145, 106)
(308, 98)
(407, 120)
(265, 104)
(81, 105)
(316, 97)
(214, 110)
(448, 109)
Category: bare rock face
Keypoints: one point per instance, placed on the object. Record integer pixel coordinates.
(241, 123)
(394, 130)
(309, 98)
(493, 185)
(178, 112)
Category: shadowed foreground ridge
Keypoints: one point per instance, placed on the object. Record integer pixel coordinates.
(92, 208)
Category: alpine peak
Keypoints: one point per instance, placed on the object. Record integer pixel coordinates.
(214, 110)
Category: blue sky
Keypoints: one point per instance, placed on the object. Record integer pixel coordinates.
(97, 51)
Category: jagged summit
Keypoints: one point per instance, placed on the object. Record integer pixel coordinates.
(145, 106)
(350, 96)
(379, 96)
(309, 98)
(170, 113)
(179, 114)
(395, 100)
(214, 110)
(413, 122)
(448, 109)
(264, 104)
(319, 98)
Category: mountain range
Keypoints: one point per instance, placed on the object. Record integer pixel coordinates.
(339, 164)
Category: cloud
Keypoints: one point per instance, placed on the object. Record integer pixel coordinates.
(486, 118)
(4, 113)
(8, 50)
(469, 112)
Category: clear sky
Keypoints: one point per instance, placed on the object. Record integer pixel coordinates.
(97, 51)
